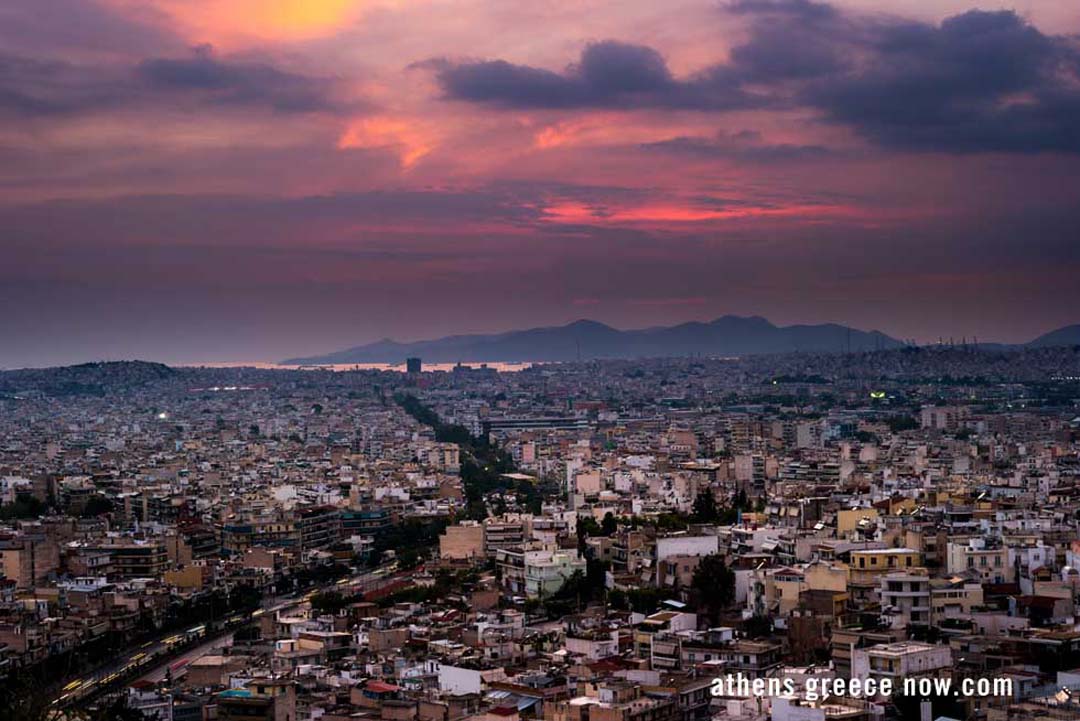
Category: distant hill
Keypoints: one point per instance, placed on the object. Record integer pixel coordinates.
(83, 379)
(1069, 335)
(726, 336)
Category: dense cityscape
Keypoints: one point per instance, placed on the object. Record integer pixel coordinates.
(597, 540)
(542, 360)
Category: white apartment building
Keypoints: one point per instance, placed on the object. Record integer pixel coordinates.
(898, 661)
(991, 563)
(905, 598)
(537, 573)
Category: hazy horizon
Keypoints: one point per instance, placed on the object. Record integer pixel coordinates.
(241, 360)
(213, 180)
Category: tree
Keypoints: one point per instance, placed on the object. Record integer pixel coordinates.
(671, 522)
(25, 506)
(609, 525)
(714, 585)
(866, 437)
(245, 597)
(618, 600)
(645, 600)
(757, 626)
(588, 526)
(408, 559)
(705, 507)
(596, 576)
(573, 593)
(329, 602)
(96, 505)
(25, 698)
(901, 423)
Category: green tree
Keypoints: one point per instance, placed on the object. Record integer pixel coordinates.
(588, 526)
(645, 600)
(244, 597)
(714, 586)
(671, 522)
(596, 576)
(618, 600)
(96, 505)
(578, 590)
(609, 525)
(705, 510)
(24, 506)
(757, 626)
(329, 602)
(901, 423)
(408, 559)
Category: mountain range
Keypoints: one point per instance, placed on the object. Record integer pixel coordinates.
(1069, 335)
(728, 335)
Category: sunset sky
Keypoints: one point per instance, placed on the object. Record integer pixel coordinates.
(210, 180)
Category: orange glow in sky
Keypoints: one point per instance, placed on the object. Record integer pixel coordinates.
(410, 141)
(231, 23)
(673, 213)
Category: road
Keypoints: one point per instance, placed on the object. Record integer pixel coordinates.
(158, 673)
(152, 659)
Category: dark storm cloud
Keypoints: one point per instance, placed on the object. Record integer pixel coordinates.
(803, 10)
(790, 40)
(977, 82)
(81, 27)
(608, 74)
(236, 83)
(746, 146)
(981, 81)
(31, 87)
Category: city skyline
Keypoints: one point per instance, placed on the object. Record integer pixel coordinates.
(224, 180)
(389, 353)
